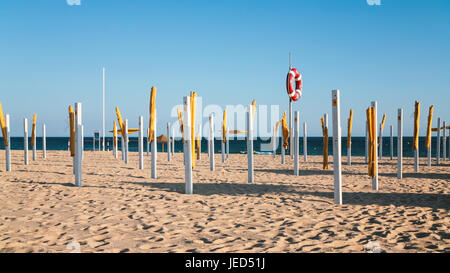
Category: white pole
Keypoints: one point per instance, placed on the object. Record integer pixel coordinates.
(93, 143)
(291, 136)
(103, 113)
(211, 142)
(400, 144)
(250, 143)
(188, 144)
(444, 143)
(82, 141)
(8, 148)
(337, 147)
(173, 140)
(349, 148)
(367, 146)
(141, 143)
(228, 144)
(380, 156)
(222, 147)
(115, 143)
(274, 142)
(305, 142)
(44, 142)
(126, 140)
(154, 149)
(122, 147)
(438, 140)
(25, 140)
(375, 178)
(148, 142)
(296, 141)
(78, 144)
(391, 144)
(168, 143)
(34, 143)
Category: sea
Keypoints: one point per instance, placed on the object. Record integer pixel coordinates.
(315, 145)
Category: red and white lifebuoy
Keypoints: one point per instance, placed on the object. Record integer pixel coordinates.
(294, 92)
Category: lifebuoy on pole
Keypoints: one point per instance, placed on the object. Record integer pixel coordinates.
(294, 92)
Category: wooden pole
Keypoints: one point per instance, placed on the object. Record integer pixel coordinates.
(375, 178)
(416, 135)
(25, 140)
(250, 143)
(154, 148)
(335, 101)
(391, 141)
(8, 147)
(141, 143)
(400, 144)
(78, 144)
(438, 140)
(296, 141)
(188, 145)
(33, 135)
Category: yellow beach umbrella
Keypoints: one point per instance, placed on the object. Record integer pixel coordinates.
(121, 125)
(3, 126)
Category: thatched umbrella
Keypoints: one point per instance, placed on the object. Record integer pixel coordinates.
(162, 139)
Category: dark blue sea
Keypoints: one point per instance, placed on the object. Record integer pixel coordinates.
(315, 146)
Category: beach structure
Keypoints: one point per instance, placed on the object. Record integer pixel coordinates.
(416, 136)
(115, 139)
(294, 89)
(224, 135)
(400, 143)
(187, 145)
(285, 132)
(211, 141)
(324, 122)
(103, 111)
(391, 141)
(126, 140)
(25, 141)
(169, 153)
(444, 142)
(428, 139)
(33, 137)
(141, 143)
(349, 138)
(44, 142)
(250, 114)
(305, 143)
(336, 112)
(78, 144)
(296, 141)
(438, 141)
(373, 158)
(5, 127)
(153, 140)
(380, 138)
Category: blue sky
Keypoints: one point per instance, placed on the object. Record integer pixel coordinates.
(230, 52)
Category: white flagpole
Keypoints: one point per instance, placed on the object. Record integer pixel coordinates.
(335, 98)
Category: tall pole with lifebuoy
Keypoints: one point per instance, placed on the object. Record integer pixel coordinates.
(294, 90)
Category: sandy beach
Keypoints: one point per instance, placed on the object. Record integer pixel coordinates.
(120, 209)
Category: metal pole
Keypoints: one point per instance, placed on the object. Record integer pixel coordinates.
(438, 140)
(335, 101)
(154, 149)
(375, 178)
(8, 148)
(115, 143)
(122, 148)
(34, 142)
(25, 140)
(296, 141)
(211, 142)
(141, 143)
(291, 135)
(400, 144)
(78, 144)
(222, 147)
(250, 143)
(349, 148)
(103, 112)
(444, 143)
(274, 142)
(188, 145)
(305, 143)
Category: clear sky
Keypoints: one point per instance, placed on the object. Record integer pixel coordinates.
(229, 52)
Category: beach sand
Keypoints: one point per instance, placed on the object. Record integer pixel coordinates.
(121, 209)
